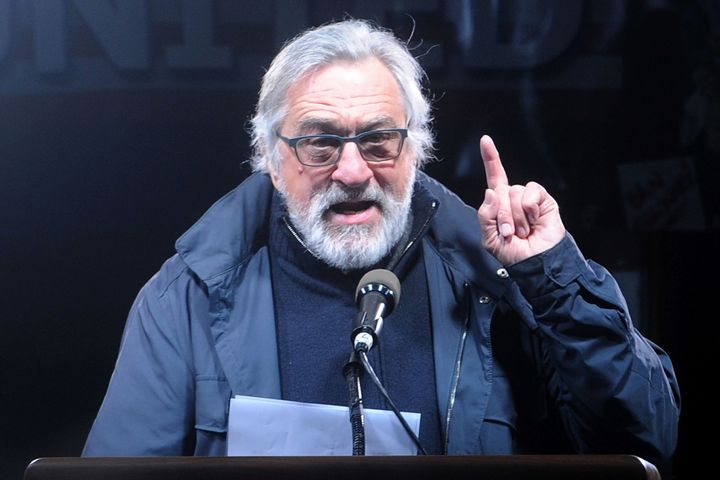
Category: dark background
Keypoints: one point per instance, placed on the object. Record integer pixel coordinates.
(121, 123)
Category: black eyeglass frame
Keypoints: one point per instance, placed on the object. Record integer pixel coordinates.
(293, 141)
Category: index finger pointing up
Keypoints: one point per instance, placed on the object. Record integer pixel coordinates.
(494, 171)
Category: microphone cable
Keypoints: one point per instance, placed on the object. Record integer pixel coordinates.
(369, 369)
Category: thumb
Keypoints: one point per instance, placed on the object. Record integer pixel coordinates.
(488, 211)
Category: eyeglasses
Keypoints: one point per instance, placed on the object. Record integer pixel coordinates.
(325, 149)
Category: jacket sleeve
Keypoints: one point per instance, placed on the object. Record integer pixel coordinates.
(615, 391)
(148, 405)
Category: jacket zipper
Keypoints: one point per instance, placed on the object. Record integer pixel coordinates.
(430, 215)
(297, 237)
(456, 371)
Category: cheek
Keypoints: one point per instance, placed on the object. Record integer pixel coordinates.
(393, 177)
(302, 183)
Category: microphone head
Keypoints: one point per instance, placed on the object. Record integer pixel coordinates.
(382, 281)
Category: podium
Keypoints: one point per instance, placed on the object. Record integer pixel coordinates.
(470, 467)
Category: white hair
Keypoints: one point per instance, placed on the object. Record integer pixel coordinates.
(313, 49)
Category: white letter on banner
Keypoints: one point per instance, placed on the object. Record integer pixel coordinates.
(121, 28)
(198, 50)
(550, 26)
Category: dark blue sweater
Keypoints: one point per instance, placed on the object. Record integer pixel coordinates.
(314, 310)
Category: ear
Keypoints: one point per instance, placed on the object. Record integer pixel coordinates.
(270, 165)
(274, 174)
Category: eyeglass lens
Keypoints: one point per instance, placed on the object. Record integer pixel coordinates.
(373, 147)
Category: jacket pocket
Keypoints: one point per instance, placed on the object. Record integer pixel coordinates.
(212, 402)
(498, 435)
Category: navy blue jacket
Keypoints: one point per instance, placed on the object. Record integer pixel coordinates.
(538, 357)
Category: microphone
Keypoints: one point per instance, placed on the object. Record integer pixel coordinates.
(377, 295)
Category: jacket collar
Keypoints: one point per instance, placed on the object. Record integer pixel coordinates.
(231, 231)
(237, 225)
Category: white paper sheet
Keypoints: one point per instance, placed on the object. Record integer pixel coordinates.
(262, 426)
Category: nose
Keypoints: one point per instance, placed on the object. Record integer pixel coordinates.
(351, 169)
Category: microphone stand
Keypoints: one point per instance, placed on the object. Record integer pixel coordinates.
(352, 370)
(377, 294)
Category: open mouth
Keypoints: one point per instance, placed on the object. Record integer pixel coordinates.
(351, 208)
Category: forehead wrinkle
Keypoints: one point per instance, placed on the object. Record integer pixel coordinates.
(331, 117)
(310, 101)
(322, 124)
(345, 97)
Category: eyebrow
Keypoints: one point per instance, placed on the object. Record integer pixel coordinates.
(323, 125)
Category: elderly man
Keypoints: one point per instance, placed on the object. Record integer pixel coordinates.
(507, 339)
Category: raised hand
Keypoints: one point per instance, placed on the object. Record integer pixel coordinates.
(517, 221)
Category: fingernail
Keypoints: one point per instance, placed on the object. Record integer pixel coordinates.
(505, 229)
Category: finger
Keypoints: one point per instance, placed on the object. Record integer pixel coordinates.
(532, 199)
(504, 217)
(520, 220)
(487, 213)
(494, 171)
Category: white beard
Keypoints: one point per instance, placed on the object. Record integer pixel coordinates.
(350, 247)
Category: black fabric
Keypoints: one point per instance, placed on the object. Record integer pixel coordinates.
(314, 310)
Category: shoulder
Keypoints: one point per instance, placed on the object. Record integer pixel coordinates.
(456, 237)
(455, 225)
(174, 274)
(168, 302)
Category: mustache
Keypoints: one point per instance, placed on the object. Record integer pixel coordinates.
(337, 193)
